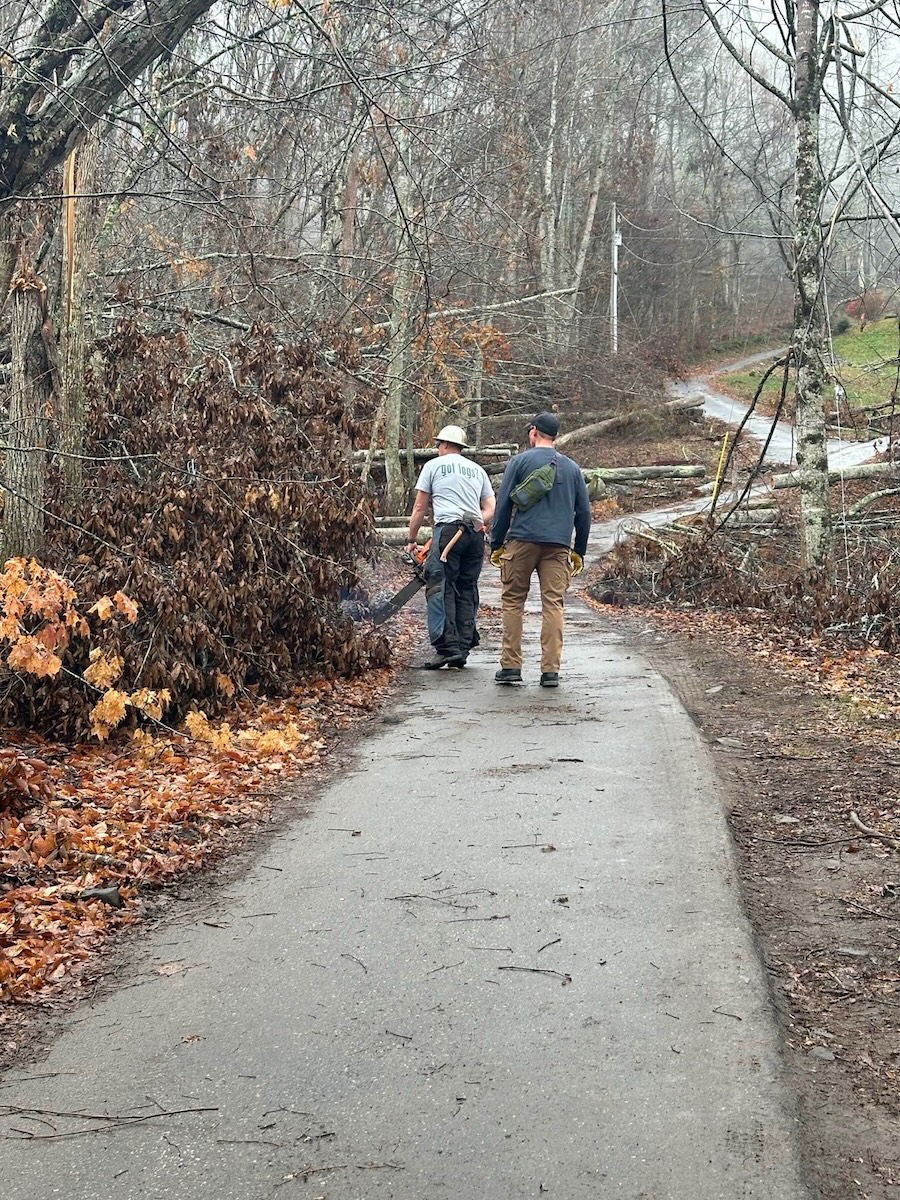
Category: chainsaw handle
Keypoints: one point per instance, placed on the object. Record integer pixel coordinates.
(420, 554)
(446, 550)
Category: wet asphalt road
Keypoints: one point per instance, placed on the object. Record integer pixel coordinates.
(782, 442)
(504, 957)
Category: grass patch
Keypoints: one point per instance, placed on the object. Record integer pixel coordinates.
(743, 384)
(872, 346)
(864, 367)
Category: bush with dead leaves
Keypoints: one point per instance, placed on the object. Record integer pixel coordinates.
(856, 598)
(221, 500)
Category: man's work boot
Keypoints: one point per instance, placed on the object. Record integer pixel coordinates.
(508, 675)
(439, 660)
(549, 678)
(458, 660)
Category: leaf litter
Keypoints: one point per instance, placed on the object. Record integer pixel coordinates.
(127, 818)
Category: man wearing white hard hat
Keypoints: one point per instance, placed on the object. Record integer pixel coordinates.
(461, 498)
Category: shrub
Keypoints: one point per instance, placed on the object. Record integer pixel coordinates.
(222, 500)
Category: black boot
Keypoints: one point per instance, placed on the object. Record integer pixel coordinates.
(549, 678)
(435, 664)
(508, 675)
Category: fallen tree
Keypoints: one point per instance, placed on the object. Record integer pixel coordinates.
(609, 424)
(890, 470)
(235, 550)
(871, 498)
(479, 454)
(398, 535)
(744, 566)
(642, 474)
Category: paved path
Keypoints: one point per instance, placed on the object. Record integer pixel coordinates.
(782, 442)
(504, 957)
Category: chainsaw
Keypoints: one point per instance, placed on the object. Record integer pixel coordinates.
(416, 560)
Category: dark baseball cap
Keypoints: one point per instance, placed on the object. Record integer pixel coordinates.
(546, 423)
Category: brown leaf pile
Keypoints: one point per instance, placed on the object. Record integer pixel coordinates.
(131, 818)
(24, 780)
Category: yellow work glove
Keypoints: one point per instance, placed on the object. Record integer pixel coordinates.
(496, 556)
(576, 562)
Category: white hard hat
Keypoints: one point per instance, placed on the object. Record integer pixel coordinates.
(454, 434)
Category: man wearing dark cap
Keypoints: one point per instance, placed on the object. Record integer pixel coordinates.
(543, 499)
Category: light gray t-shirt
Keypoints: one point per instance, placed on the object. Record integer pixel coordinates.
(456, 485)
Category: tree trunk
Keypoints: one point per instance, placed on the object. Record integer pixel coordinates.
(31, 146)
(548, 217)
(401, 326)
(642, 474)
(477, 392)
(78, 246)
(882, 470)
(30, 395)
(424, 454)
(809, 339)
(587, 230)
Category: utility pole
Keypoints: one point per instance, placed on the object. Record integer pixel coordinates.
(616, 242)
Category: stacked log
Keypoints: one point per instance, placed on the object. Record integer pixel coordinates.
(483, 455)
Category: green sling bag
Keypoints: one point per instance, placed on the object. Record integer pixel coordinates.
(534, 487)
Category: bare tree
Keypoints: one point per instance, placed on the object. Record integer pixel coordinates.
(806, 56)
(70, 66)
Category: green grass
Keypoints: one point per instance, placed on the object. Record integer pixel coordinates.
(744, 383)
(875, 344)
(863, 367)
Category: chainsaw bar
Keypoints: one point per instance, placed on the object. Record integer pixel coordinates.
(391, 607)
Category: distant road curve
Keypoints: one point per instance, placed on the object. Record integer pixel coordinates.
(783, 444)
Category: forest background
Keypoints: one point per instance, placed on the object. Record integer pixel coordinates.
(239, 240)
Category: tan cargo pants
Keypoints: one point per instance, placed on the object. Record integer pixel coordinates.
(519, 562)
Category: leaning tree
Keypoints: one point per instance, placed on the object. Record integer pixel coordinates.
(64, 65)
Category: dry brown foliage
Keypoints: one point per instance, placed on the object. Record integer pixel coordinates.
(857, 598)
(220, 498)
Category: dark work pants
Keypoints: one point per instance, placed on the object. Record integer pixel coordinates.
(454, 582)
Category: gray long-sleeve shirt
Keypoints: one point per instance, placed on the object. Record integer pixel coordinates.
(552, 519)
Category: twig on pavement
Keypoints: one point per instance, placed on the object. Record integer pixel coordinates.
(563, 975)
